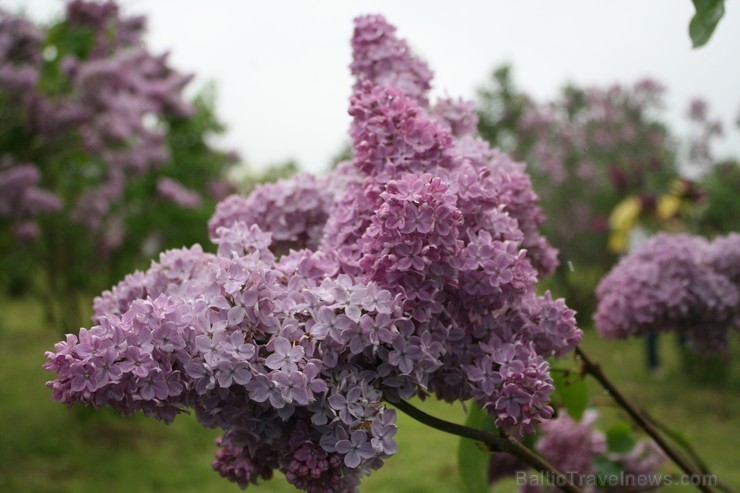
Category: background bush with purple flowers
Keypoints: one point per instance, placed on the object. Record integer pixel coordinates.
(97, 132)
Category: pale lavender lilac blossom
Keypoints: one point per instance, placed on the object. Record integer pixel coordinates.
(294, 210)
(413, 279)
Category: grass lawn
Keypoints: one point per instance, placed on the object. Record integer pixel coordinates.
(46, 447)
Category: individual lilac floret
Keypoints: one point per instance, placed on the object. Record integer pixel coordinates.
(674, 283)
(294, 210)
(380, 57)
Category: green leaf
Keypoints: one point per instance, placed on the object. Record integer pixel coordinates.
(473, 458)
(607, 471)
(619, 438)
(702, 25)
(572, 391)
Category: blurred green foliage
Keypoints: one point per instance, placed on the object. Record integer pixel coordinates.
(71, 262)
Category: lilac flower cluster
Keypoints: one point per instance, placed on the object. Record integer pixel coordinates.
(321, 306)
(294, 210)
(173, 191)
(21, 199)
(107, 102)
(458, 115)
(572, 445)
(573, 448)
(574, 133)
(705, 130)
(678, 283)
(20, 56)
(378, 56)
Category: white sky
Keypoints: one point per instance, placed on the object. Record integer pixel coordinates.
(284, 85)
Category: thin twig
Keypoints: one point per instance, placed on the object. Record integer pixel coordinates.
(687, 447)
(494, 442)
(593, 369)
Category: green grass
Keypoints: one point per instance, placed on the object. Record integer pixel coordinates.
(681, 396)
(47, 447)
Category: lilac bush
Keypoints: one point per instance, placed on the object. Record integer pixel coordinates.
(414, 276)
(680, 283)
(101, 96)
(96, 132)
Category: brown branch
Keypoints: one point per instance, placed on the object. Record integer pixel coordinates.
(594, 369)
(495, 442)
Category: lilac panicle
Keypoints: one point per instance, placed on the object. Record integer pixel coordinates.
(293, 210)
(381, 58)
(410, 270)
(572, 445)
(675, 283)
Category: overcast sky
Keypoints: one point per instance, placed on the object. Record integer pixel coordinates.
(283, 81)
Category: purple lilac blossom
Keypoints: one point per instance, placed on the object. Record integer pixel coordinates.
(678, 283)
(413, 278)
(177, 193)
(111, 93)
(385, 60)
(293, 210)
(21, 200)
(457, 114)
(573, 448)
(572, 445)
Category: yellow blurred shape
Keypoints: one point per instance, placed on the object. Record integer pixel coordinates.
(668, 206)
(621, 221)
